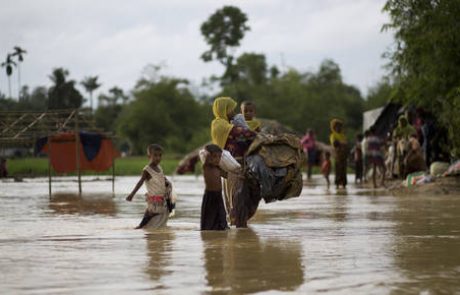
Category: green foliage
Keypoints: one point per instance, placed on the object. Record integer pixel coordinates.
(223, 32)
(106, 117)
(379, 95)
(164, 112)
(90, 84)
(63, 94)
(426, 58)
(35, 101)
(301, 100)
(123, 166)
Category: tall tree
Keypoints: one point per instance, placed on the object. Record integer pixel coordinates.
(118, 95)
(19, 52)
(379, 95)
(90, 84)
(165, 112)
(8, 65)
(63, 94)
(426, 58)
(223, 32)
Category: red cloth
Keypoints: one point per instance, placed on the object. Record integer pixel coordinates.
(153, 199)
(326, 167)
(64, 157)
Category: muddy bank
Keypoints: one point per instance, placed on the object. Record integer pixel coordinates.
(440, 186)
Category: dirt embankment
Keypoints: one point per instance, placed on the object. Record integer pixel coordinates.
(440, 186)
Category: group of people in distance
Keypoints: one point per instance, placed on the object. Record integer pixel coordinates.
(367, 154)
(405, 150)
(230, 131)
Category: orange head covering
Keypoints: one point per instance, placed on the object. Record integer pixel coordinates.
(220, 126)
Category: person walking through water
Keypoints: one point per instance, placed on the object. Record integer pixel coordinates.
(236, 140)
(213, 215)
(309, 147)
(158, 190)
(339, 143)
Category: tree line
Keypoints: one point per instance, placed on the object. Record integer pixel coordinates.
(166, 110)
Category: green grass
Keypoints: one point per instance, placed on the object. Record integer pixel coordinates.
(34, 167)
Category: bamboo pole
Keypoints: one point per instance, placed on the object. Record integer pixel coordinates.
(113, 176)
(77, 149)
(49, 164)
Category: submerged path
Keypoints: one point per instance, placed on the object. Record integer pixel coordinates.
(357, 241)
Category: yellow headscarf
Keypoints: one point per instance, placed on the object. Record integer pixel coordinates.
(253, 124)
(220, 126)
(336, 136)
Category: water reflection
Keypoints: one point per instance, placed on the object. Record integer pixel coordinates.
(427, 244)
(68, 203)
(240, 262)
(339, 206)
(159, 250)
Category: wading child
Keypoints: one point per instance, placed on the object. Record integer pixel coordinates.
(326, 167)
(248, 109)
(158, 190)
(213, 215)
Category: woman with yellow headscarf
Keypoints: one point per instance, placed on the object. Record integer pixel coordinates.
(339, 142)
(227, 136)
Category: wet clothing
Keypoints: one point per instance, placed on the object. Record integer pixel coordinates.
(374, 151)
(213, 215)
(339, 142)
(358, 161)
(220, 126)
(341, 155)
(156, 214)
(309, 147)
(238, 141)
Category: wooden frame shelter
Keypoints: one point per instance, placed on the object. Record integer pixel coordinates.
(23, 129)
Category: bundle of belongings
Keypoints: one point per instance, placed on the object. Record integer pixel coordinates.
(271, 170)
(274, 162)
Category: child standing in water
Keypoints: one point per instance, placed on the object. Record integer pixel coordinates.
(248, 109)
(213, 215)
(326, 167)
(158, 190)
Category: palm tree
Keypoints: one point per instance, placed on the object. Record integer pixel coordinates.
(90, 84)
(8, 64)
(19, 52)
(118, 94)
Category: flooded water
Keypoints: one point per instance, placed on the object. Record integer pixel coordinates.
(348, 242)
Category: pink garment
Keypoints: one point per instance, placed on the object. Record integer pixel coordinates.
(308, 142)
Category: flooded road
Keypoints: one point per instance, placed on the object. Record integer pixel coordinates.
(348, 242)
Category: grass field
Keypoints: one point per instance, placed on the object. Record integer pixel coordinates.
(34, 167)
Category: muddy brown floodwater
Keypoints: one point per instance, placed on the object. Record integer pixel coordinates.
(357, 241)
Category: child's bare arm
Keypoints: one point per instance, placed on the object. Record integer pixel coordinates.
(136, 188)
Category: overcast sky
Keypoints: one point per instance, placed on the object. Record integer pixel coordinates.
(116, 39)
